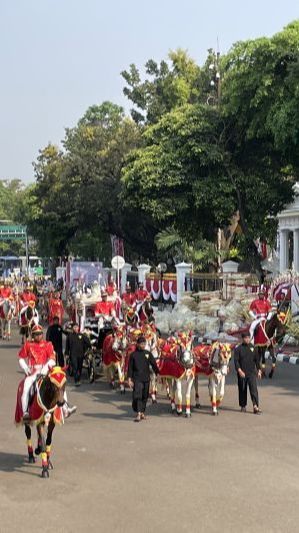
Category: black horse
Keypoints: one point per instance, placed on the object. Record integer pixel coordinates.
(50, 393)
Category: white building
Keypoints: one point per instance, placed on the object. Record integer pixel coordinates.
(288, 228)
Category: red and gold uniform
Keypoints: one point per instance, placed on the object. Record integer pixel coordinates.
(35, 357)
(260, 308)
(111, 288)
(37, 353)
(55, 309)
(104, 308)
(28, 298)
(141, 295)
(129, 299)
(5, 294)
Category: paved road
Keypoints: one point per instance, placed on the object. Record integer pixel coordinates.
(234, 472)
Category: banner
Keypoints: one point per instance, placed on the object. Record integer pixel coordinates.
(117, 246)
(169, 289)
(85, 272)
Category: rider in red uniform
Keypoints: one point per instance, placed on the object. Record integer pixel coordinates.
(141, 293)
(128, 297)
(56, 309)
(104, 307)
(27, 297)
(111, 287)
(37, 357)
(259, 310)
(5, 294)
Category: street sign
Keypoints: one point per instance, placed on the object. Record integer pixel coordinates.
(118, 262)
(12, 232)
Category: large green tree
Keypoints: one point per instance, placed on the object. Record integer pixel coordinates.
(201, 164)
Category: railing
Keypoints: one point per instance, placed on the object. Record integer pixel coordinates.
(197, 282)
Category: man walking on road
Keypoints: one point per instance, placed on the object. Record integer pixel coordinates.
(54, 335)
(139, 375)
(76, 346)
(247, 367)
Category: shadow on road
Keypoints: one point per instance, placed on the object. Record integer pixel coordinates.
(12, 462)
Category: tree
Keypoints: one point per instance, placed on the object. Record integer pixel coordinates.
(167, 86)
(179, 176)
(75, 204)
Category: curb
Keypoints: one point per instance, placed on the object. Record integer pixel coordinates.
(283, 358)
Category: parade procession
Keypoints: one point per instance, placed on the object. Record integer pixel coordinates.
(149, 267)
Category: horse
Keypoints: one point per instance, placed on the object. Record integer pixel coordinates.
(219, 355)
(130, 315)
(114, 350)
(45, 412)
(177, 366)
(7, 310)
(267, 333)
(146, 313)
(28, 318)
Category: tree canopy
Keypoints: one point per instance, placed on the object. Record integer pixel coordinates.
(191, 158)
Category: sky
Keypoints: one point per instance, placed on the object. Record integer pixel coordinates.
(58, 57)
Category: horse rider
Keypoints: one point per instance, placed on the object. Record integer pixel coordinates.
(5, 294)
(36, 358)
(141, 294)
(111, 287)
(56, 308)
(105, 308)
(27, 298)
(128, 297)
(259, 311)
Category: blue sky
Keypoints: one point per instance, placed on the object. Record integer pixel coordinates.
(58, 57)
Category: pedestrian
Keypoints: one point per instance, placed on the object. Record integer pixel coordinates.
(76, 345)
(54, 335)
(139, 377)
(247, 367)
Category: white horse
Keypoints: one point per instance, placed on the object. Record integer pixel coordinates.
(8, 310)
(178, 368)
(220, 356)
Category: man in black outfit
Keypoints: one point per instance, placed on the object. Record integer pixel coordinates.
(76, 346)
(54, 335)
(139, 375)
(247, 367)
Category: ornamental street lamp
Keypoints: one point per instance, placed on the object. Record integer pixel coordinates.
(161, 269)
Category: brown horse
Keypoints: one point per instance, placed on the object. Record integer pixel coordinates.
(45, 411)
(267, 335)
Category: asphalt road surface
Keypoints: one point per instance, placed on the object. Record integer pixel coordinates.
(232, 473)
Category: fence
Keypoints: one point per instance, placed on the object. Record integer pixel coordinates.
(197, 282)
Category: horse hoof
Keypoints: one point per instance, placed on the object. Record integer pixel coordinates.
(50, 465)
(45, 473)
(271, 374)
(188, 415)
(31, 459)
(198, 406)
(214, 413)
(37, 450)
(179, 413)
(154, 402)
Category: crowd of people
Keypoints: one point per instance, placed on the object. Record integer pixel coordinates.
(38, 355)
